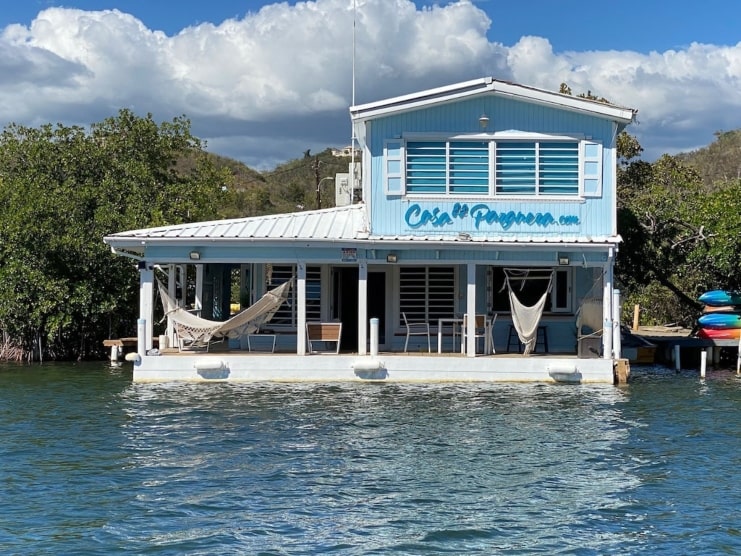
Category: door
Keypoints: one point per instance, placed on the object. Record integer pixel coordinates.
(345, 304)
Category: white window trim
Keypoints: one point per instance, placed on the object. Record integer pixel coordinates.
(426, 289)
(402, 167)
(509, 135)
(583, 176)
(570, 277)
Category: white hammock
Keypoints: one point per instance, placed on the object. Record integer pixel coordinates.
(526, 319)
(198, 331)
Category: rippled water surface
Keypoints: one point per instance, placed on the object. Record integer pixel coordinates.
(93, 464)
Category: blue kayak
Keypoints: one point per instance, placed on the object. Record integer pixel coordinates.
(717, 298)
(720, 320)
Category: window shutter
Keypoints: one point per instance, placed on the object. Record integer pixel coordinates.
(592, 168)
(393, 169)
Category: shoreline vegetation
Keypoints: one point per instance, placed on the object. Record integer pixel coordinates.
(64, 188)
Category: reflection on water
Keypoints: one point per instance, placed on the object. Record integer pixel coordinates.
(93, 463)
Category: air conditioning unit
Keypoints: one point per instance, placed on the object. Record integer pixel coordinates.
(343, 194)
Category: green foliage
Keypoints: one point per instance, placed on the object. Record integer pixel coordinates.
(681, 238)
(63, 189)
(289, 187)
(719, 162)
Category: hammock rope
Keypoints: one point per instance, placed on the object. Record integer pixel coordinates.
(526, 318)
(198, 330)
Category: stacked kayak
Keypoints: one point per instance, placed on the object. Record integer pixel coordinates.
(721, 318)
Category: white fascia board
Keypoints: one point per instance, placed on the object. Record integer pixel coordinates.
(119, 247)
(465, 89)
(624, 115)
(419, 99)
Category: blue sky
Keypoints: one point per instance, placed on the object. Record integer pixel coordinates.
(264, 81)
(640, 25)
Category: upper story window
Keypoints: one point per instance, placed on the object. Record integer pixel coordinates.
(537, 168)
(522, 165)
(447, 167)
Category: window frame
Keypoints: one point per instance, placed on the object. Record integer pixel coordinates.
(563, 286)
(589, 165)
(286, 317)
(427, 293)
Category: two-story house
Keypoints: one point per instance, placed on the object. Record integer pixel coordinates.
(483, 202)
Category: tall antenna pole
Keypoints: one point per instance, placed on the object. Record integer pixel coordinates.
(354, 11)
(352, 124)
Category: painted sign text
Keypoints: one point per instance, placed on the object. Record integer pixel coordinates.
(481, 214)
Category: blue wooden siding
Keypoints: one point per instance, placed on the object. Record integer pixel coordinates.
(594, 212)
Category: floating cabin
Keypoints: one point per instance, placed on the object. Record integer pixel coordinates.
(483, 202)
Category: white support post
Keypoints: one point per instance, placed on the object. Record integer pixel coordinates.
(182, 274)
(616, 333)
(171, 292)
(362, 308)
(172, 280)
(703, 362)
(470, 339)
(607, 309)
(141, 337)
(198, 304)
(301, 309)
(146, 302)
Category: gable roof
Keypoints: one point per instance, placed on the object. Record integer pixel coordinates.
(489, 85)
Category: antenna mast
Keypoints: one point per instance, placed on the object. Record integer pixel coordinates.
(353, 173)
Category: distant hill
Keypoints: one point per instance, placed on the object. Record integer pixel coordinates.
(718, 162)
(290, 187)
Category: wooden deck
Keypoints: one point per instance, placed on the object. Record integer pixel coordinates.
(676, 346)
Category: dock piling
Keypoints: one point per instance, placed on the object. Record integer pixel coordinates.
(677, 360)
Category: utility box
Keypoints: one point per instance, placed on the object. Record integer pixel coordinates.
(343, 194)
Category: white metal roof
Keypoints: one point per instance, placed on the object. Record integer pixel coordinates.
(340, 224)
(489, 85)
(334, 224)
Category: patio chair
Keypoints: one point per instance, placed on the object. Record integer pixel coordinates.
(484, 329)
(416, 329)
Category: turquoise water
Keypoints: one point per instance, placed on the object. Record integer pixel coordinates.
(93, 464)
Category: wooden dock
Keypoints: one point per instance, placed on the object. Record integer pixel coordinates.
(121, 346)
(676, 345)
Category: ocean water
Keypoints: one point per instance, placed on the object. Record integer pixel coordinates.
(91, 463)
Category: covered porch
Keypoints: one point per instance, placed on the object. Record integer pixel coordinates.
(342, 275)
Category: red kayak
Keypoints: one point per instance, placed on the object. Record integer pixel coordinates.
(719, 333)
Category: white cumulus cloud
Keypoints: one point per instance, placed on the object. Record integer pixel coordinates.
(266, 86)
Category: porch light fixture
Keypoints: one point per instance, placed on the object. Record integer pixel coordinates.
(483, 121)
(391, 258)
(563, 260)
(195, 256)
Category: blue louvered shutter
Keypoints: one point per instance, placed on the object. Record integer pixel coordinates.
(393, 167)
(592, 168)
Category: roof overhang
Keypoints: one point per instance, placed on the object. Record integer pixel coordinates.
(136, 248)
(488, 85)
